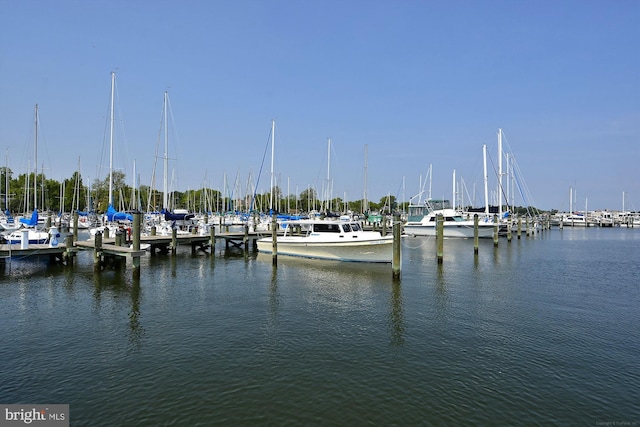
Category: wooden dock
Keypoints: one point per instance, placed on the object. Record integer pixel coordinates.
(239, 239)
(60, 253)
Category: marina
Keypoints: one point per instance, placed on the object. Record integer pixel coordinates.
(539, 331)
(297, 214)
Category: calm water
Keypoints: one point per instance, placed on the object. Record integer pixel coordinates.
(542, 331)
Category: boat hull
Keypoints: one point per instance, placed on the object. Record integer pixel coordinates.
(449, 230)
(379, 250)
(34, 236)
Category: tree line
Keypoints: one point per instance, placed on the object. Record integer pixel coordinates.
(29, 191)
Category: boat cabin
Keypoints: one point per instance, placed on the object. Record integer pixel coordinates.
(322, 227)
(417, 212)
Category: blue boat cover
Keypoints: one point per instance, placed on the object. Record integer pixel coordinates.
(113, 215)
(170, 216)
(31, 222)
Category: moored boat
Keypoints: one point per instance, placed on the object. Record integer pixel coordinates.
(331, 240)
(422, 221)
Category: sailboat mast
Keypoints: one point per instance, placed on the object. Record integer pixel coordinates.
(165, 197)
(500, 173)
(570, 200)
(328, 174)
(430, 179)
(486, 180)
(273, 138)
(112, 123)
(134, 205)
(6, 183)
(365, 205)
(35, 169)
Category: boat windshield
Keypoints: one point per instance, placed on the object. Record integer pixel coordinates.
(326, 228)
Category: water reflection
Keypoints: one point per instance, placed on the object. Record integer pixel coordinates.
(396, 314)
(340, 288)
(117, 284)
(273, 294)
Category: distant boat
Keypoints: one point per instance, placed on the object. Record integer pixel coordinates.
(178, 215)
(35, 236)
(7, 222)
(422, 221)
(330, 240)
(575, 220)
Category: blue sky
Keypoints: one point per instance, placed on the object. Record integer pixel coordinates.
(418, 83)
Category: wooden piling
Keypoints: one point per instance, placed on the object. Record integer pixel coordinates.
(174, 241)
(212, 237)
(396, 263)
(68, 254)
(476, 236)
(137, 220)
(75, 226)
(274, 236)
(519, 227)
(440, 238)
(245, 239)
(496, 227)
(97, 249)
(509, 222)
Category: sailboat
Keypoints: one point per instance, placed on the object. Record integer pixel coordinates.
(7, 222)
(180, 219)
(111, 215)
(35, 235)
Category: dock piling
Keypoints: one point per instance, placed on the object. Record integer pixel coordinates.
(440, 238)
(396, 263)
(274, 235)
(75, 226)
(475, 233)
(137, 220)
(174, 240)
(97, 251)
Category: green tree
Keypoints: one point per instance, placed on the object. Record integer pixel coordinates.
(307, 199)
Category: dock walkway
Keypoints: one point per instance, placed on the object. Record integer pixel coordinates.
(55, 253)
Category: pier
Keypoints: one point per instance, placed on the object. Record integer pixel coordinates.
(61, 253)
(113, 247)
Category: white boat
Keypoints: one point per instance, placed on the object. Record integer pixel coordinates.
(422, 221)
(35, 235)
(575, 220)
(32, 226)
(330, 240)
(7, 223)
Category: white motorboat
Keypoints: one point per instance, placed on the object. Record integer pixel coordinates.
(331, 240)
(575, 220)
